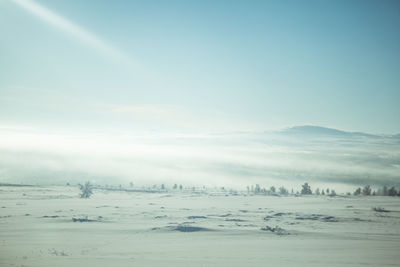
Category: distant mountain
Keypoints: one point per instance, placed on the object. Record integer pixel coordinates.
(310, 130)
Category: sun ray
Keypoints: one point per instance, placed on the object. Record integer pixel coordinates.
(70, 28)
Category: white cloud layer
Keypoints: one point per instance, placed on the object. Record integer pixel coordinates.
(233, 160)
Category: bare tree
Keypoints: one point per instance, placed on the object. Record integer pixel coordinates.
(366, 190)
(283, 190)
(317, 192)
(357, 192)
(385, 190)
(306, 190)
(257, 189)
(86, 190)
(392, 191)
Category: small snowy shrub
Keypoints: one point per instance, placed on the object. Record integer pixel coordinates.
(86, 190)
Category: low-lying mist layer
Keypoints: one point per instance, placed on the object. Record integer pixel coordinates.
(234, 160)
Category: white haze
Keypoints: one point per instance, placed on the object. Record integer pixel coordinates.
(230, 160)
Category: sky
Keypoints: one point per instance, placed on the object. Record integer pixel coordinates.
(199, 66)
(193, 92)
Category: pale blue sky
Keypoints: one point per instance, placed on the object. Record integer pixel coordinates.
(200, 65)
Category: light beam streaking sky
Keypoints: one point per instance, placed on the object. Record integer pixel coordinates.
(69, 27)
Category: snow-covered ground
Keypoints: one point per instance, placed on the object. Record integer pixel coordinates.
(52, 226)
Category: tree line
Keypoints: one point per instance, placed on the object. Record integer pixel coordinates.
(87, 190)
(306, 190)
